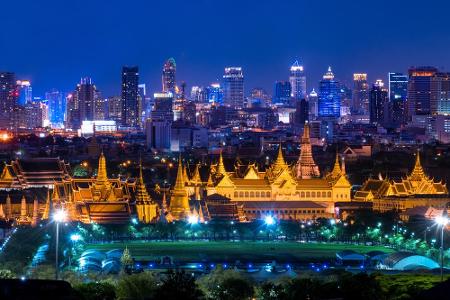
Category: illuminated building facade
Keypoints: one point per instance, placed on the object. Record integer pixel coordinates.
(360, 95)
(101, 199)
(8, 99)
(169, 76)
(282, 93)
(417, 189)
(378, 102)
(233, 87)
(131, 116)
(398, 92)
(56, 106)
(81, 104)
(329, 97)
(420, 90)
(297, 79)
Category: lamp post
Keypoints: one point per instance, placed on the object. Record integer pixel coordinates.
(443, 221)
(58, 217)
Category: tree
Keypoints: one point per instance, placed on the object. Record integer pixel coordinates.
(96, 291)
(271, 291)
(179, 285)
(6, 274)
(136, 286)
(360, 286)
(233, 288)
(127, 261)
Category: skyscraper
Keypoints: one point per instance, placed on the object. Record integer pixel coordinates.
(297, 79)
(398, 91)
(130, 97)
(440, 94)
(8, 99)
(378, 103)
(81, 104)
(313, 105)
(168, 76)
(56, 106)
(25, 92)
(214, 93)
(233, 87)
(360, 97)
(419, 90)
(329, 97)
(282, 93)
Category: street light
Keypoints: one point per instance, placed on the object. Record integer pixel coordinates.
(442, 221)
(269, 220)
(74, 238)
(58, 217)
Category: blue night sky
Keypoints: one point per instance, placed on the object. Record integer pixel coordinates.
(55, 42)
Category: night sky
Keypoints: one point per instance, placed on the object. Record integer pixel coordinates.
(55, 42)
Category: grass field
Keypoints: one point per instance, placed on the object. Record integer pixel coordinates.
(232, 251)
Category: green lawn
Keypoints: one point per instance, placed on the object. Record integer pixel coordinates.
(232, 251)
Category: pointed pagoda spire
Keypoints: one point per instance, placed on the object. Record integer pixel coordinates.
(48, 207)
(141, 191)
(306, 166)
(35, 218)
(6, 174)
(23, 210)
(8, 212)
(279, 164)
(2, 212)
(179, 183)
(343, 170)
(336, 172)
(196, 179)
(102, 176)
(221, 166)
(417, 173)
(185, 175)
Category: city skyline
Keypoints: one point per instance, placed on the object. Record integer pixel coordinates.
(60, 66)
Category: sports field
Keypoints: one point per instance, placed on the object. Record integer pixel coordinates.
(232, 251)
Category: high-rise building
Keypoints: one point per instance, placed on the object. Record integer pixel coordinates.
(297, 80)
(158, 127)
(233, 87)
(313, 101)
(56, 106)
(440, 94)
(398, 92)
(114, 105)
(258, 98)
(36, 113)
(168, 76)
(8, 99)
(25, 92)
(360, 97)
(81, 104)
(282, 93)
(378, 101)
(301, 115)
(419, 90)
(130, 97)
(329, 97)
(214, 93)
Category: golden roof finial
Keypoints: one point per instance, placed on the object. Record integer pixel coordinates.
(179, 183)
(418, 172)
(6, 175)
(221, 166)
(101, 173)
(336, 172)
(141, 191)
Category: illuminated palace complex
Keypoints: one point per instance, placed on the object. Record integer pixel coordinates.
(417, 189)
(31, 189)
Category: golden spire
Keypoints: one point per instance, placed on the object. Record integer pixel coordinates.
(306, 167)
(280, 158)
(47, 207)
(336, 172)
(141, 191)
(220, 166)
(196, 177)
(23, 210)
(102, 176)
(179, 183)
(418, 172)
(6, 175)
(185, 175)
(35, 219)
(8, 212)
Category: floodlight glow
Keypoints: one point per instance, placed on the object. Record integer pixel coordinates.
(193, 219)
(134, 221)
(441, 220)
(59, 216)
(269, 220)
(75, 237)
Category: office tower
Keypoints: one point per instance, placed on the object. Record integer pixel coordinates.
(281, 93)
(114, 108)
(36, 113)
(130, 97)
(158, 127)
(168, 76)
(198, 94)
(142, 102)
(189, 112)
(81, 104)
(378, 100)
(329, 97)
(440, 94)
(398, 92)
(419, 90)
(233, 87)
(56, 106)
(25, 92)
(297, 80)
(8, 99)
(313, 101)
(214, 94)
(360, 97)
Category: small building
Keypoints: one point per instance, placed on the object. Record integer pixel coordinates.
(406, 261)
(350, 258)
